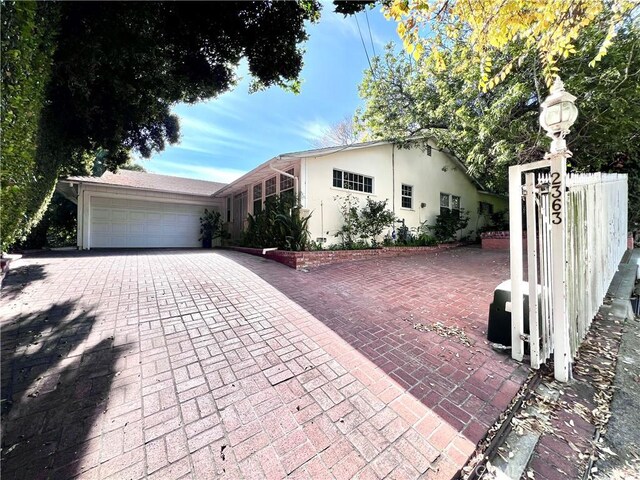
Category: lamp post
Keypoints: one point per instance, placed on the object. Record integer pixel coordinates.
(557, 116)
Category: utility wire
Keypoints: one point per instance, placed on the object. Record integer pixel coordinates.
(363, 45)
(370, 36)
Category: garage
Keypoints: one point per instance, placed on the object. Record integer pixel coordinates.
(139, 210)
(120, 223)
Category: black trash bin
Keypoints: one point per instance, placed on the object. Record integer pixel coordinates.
(499, 329)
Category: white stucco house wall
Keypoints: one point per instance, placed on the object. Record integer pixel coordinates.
(132, 209)
(417, 184)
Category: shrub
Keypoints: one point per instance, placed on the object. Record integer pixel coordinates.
(350, 229)
(279, 224)
(27, 46)
(374, 218)
(210, 226)
(362, 225)
(448, 224)
(56, 229)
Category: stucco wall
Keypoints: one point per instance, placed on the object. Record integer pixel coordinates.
(390, 167)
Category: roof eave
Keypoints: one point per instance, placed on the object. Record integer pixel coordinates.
(72, 180)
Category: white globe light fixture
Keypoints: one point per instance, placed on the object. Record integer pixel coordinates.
(559, 113)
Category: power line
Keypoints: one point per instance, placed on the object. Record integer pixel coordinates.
(370, 36)
(363, 45)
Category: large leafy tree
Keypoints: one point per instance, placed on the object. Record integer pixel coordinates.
(491, 130)
(82, 77)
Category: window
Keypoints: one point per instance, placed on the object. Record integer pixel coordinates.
(407, 196)
(352, 181)
(270, 187)
(449, 202)
(286, 183)
(228, 209)
(429, 150)
(257, 198)
(486, 208)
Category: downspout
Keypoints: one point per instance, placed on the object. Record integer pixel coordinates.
(393, 178)
(295, 181)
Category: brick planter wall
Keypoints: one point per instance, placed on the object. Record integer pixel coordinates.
(499, 240)
(300, 260)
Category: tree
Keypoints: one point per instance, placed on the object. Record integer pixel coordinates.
(548, 28)
(105, 75)
(341, 133)
(491, 130)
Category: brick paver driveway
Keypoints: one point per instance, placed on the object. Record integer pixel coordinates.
(191, 364)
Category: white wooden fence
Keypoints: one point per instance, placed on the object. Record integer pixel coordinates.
(576, 235)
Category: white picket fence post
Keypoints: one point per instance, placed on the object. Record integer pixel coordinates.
(576, 236)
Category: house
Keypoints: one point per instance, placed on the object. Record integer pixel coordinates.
(139, 210)
(418, 184)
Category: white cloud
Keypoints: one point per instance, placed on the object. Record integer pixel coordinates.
(205, 136)
(200, 172)
(313, 130)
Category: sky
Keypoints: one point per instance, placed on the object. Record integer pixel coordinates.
(225, 137)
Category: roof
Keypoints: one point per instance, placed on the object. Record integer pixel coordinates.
(152, 181)
(284, 160)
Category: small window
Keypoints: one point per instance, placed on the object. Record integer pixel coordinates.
(257, 198)
(286, 183)
(407, 196)
(337, 178)
(429, 150)
(270, 187)
(228, 209)
(352, 181)
(449, 202)
(486, 208)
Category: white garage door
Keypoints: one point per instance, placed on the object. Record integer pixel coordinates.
(122, 223)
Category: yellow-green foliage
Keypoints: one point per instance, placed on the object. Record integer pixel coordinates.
(548, 27)
(27, 49)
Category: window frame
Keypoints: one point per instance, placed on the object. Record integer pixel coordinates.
(449, 205)
(257, 199)
(287, 182)
(352, 179)
(266, 187)
(404, 196)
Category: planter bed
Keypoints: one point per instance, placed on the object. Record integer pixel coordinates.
(499, 240)
(316, 258)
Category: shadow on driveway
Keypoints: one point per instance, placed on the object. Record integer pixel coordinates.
(54, 387)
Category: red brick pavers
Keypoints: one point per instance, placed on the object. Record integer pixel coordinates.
(189, 365)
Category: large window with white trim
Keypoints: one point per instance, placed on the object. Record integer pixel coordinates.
(407, 196)
(352, 181)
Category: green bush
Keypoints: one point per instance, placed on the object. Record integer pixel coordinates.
(57, 227)
(448, 224)
(498, 222)
(210, 226)
(27, 47)
(362, 225)
(279, 224)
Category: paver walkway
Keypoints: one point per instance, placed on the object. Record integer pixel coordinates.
(191, 364)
